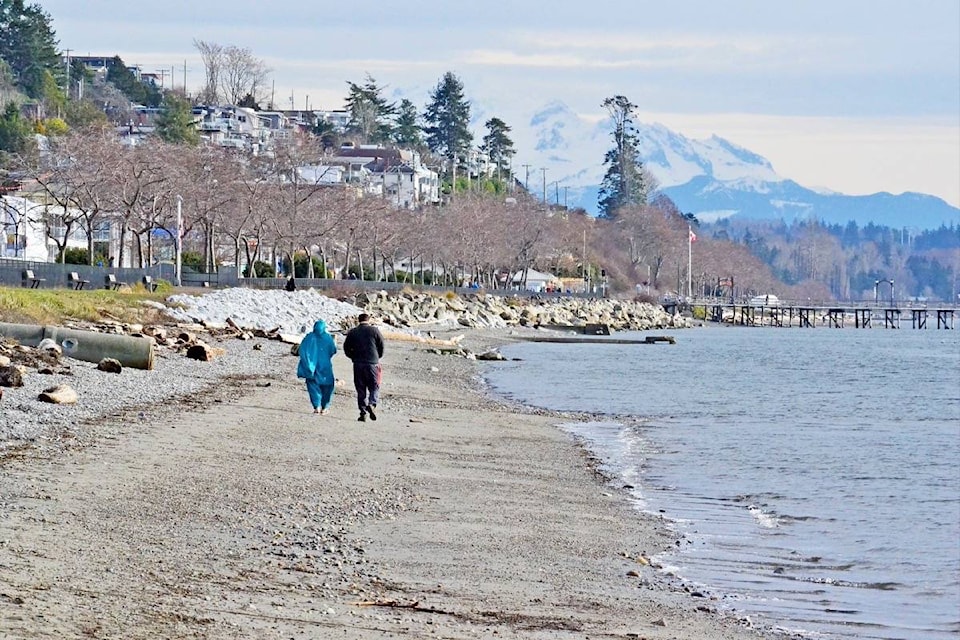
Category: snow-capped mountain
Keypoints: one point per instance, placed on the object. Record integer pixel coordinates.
(712, 178)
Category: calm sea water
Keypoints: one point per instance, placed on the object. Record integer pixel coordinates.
(814, 474)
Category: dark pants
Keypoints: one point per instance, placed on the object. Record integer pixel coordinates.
(366, 378)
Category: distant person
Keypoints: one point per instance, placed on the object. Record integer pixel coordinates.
(364, 346)
(291, 284)
(316, 366)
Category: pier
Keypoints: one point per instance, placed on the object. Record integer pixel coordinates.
(835, 316)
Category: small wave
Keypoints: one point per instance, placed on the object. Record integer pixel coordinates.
(764, 519)
(834, 582)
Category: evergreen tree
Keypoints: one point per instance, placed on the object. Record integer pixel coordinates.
(175, 122)
(407, 131)
(497, 144)
(127, 82)
(624, 182)
(13, 130)
(28, 45)
(448, 119)
(326, 132)
(369, 112)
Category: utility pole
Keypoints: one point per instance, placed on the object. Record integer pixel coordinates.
(184, 78)
(163, 77)
(565, 197)
(526, 178)
(543, 170)
(66, 55)
(556, 191)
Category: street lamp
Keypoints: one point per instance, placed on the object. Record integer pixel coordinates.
(876, 292)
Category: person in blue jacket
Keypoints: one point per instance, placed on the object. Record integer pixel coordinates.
(316, 366)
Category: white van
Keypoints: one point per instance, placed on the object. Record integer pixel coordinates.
(766, 300)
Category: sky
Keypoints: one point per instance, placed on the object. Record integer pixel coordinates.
(856, 96)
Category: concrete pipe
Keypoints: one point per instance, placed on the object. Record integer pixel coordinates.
(88, 346)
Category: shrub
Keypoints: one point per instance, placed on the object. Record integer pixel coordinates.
(75, 255)
(193, 260)
(263, 269)
(301, 266)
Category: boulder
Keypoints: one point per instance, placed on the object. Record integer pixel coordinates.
(203, 352)
(110, 365)
(493, 354)
(10, 376)
(50, 346)
(60, 394)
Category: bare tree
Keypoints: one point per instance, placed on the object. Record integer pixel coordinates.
(212, 55)
(298, 205)
(242, 75)
(80, 180)
(134, 180)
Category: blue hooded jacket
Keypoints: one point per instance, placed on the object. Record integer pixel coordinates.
(316, 353)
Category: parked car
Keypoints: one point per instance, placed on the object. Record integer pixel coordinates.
(766, 300)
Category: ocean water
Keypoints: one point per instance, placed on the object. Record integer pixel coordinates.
(813, 474)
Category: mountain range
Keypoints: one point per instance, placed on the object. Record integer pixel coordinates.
(712, 178)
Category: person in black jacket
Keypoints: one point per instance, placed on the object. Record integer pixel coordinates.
(364, 346)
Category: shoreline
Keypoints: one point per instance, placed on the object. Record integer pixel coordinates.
(456, 514)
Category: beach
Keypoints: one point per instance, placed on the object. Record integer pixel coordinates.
(235, 512)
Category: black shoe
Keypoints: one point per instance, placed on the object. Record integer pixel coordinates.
(373, 416)
(362, 418)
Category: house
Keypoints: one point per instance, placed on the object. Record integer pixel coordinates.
(401, 176)
(24, 232)
(536, 281)
(233, 127)
(321, 174)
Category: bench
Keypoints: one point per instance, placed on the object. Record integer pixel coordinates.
(149, 284)
(75, 281)
(29, 277)
(110, 282)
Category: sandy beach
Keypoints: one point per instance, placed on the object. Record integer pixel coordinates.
(240, 514)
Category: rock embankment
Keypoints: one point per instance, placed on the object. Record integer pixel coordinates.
(294, 312)
(407, 309)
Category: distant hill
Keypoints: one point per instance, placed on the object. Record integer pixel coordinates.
(712, 178)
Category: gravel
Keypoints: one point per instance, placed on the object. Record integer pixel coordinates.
(24, 418)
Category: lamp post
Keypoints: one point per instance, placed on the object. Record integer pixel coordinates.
(876, 292)
(178, 249)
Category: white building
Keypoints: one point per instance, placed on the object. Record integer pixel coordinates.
(536, 281)
(400, 174)
(23, 233)
(25, 236)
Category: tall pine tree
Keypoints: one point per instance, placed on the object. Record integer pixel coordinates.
(407, 131)
(497, 144)
(624, 182)
(28, 45)
(370, 112)
(448, 119)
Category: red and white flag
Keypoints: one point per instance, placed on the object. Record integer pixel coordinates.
(693, 236)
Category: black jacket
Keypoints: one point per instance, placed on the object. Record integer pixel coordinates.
(364, 343)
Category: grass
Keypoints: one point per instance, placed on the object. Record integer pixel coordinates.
(53, 306)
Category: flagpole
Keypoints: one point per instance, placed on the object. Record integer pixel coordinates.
(689, 261)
